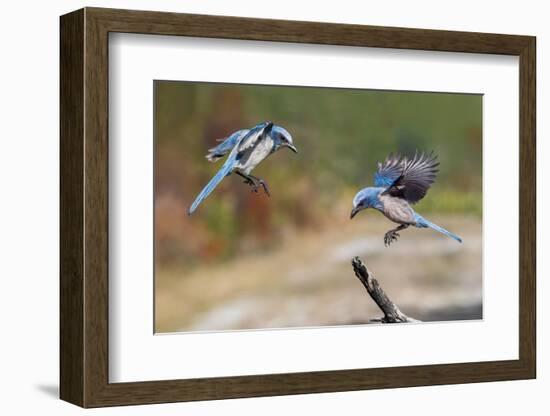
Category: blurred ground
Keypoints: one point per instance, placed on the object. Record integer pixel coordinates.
(308, 280)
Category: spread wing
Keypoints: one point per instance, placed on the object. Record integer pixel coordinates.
(225, 147)
(389, 171)
(406, 178)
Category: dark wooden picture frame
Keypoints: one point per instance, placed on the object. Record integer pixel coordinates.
(84, 207)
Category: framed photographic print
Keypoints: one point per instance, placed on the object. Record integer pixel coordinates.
(256, 207)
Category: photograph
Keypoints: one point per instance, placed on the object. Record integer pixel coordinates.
(279, 207)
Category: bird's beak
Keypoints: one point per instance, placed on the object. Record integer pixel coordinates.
(354, 212)
(292, 147)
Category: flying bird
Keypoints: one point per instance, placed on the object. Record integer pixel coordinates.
(399, 183)
(246, 149)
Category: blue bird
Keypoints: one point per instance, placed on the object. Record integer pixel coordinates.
(246, 148)
(400, 182)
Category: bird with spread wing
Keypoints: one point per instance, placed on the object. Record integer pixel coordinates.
(399, 183)
(246, 149)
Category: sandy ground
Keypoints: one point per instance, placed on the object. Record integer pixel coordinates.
(309, 281)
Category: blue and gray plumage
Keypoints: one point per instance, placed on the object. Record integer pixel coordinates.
(246, 149)
(400, 182)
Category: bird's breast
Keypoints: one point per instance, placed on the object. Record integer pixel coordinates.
(397, 210)
(257, 154)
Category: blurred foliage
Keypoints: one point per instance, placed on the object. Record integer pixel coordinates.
(341, 134)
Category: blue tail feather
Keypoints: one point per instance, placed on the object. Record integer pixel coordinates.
(207, 190)
(422, 222)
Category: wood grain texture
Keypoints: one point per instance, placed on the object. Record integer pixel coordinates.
(528, 209)
(392, 313)
(84, 207)
(71, 213)
(96, 218)
(162, 23)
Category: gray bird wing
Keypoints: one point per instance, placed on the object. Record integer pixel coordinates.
(405, 178)
(225, 147)
(252, 138)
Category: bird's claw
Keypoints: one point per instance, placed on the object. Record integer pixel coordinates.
(256, 185)
(390, 237)
(264, 185)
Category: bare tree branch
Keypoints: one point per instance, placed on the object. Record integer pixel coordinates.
(392, 314)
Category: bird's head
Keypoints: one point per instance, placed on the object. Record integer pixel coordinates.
(365, 198)
(282, 138)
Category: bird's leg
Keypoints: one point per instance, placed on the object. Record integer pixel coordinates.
(254, 182)
(249, 181)
(392, 235)
(261, 182)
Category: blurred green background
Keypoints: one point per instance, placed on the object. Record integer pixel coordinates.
(341, 134)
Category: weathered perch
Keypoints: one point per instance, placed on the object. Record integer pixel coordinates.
(392, 314)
